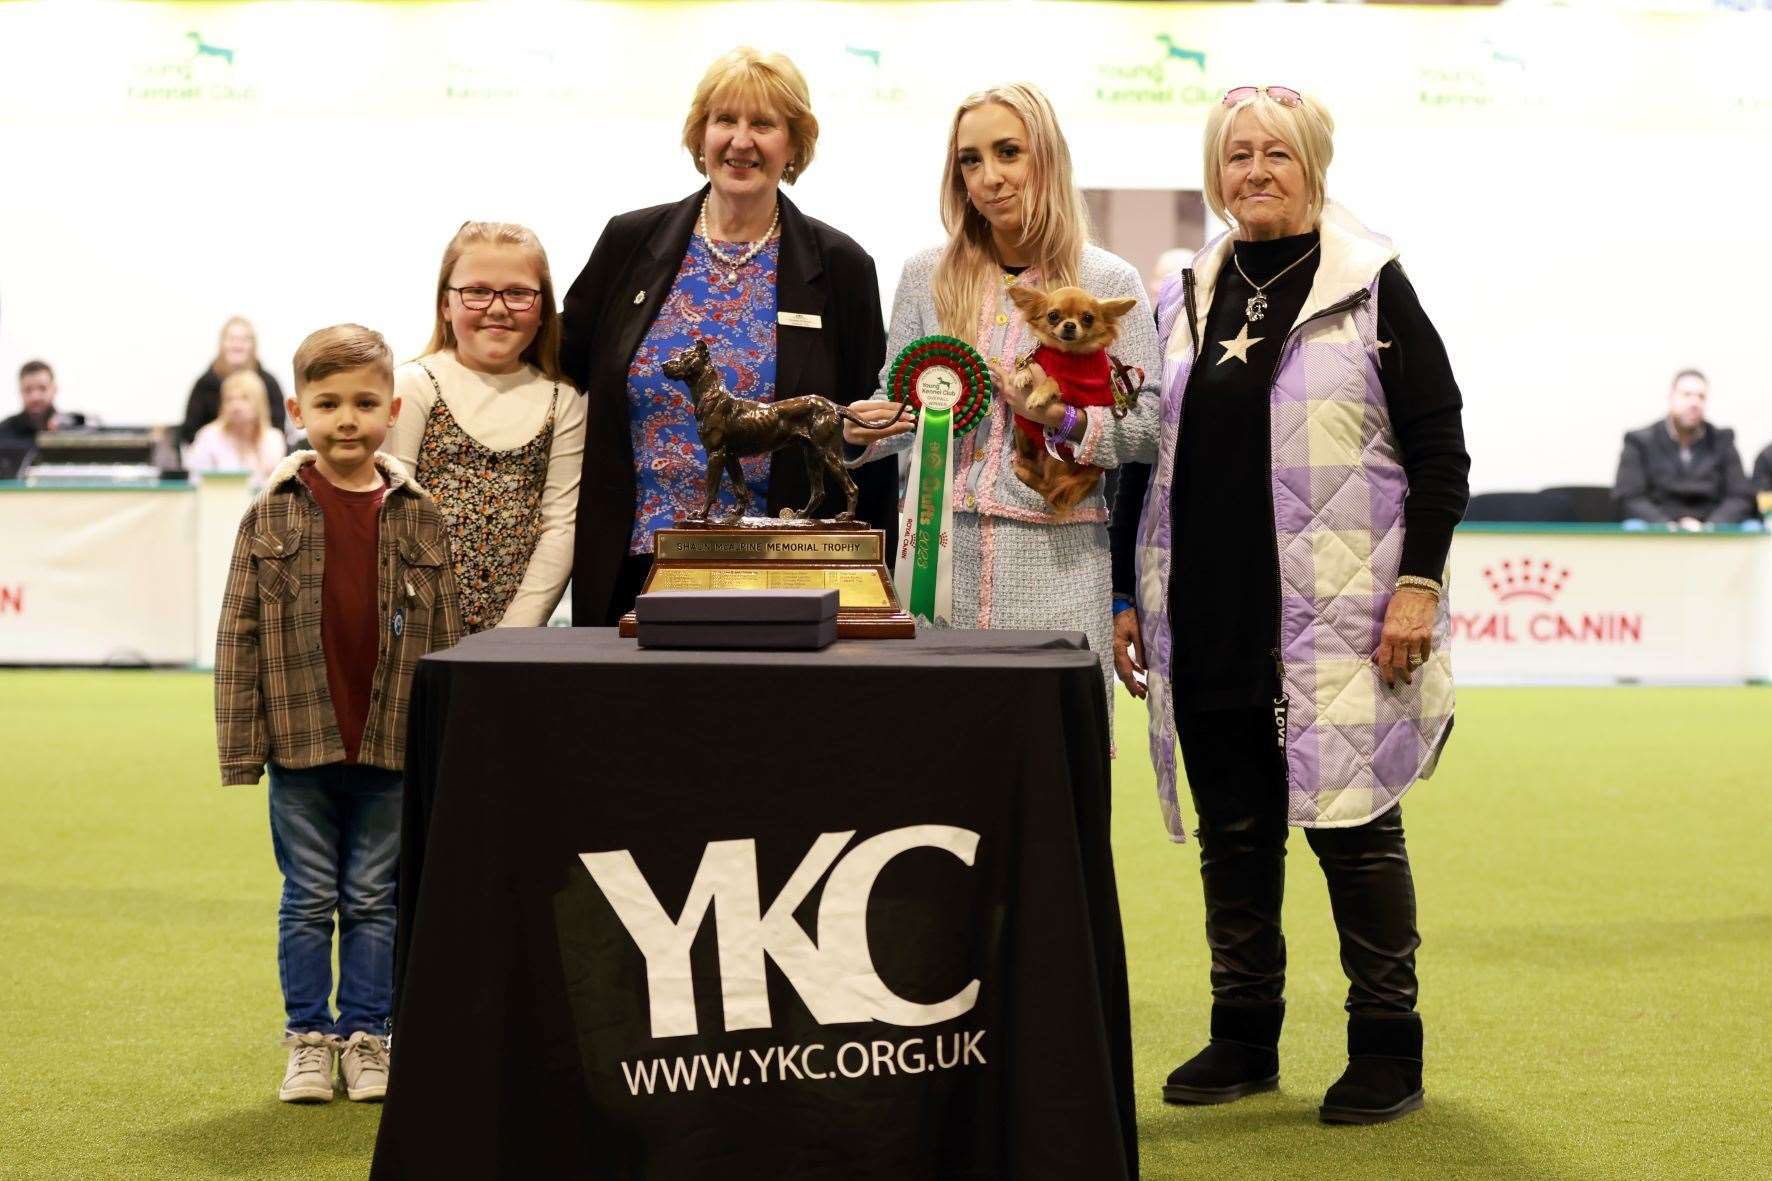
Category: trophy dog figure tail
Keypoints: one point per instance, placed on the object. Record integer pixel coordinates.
(732, 428)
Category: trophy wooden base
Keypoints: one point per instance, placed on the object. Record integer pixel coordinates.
(763, 553)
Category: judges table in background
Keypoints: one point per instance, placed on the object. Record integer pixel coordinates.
(1568, 604)
(848, 913)
(116, 574)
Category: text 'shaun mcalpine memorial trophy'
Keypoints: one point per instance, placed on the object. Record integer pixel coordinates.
(792, 552)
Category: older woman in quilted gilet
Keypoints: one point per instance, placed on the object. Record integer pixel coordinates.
(1282, 590)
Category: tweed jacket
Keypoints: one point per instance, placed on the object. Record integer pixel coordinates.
(271, 697)
(1353, 745)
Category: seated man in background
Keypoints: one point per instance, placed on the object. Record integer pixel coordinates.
(36, 389)
(1683, 469)
(1763, 480)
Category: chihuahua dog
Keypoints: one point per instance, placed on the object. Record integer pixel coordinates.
(1074, 330)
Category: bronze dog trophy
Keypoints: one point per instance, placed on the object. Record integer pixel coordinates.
(733, 428)
(793, 552)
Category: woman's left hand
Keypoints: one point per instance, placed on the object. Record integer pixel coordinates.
(1017, 398)
(1408, 636)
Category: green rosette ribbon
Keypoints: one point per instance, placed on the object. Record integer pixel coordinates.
(947, 380)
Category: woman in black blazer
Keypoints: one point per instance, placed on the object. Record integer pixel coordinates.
(790, 306)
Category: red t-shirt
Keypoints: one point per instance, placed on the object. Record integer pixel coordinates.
(350, 616)
(1084, 379)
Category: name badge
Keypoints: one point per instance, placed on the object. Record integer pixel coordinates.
(800, 319)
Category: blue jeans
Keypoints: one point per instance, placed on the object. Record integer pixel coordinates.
(336, 833)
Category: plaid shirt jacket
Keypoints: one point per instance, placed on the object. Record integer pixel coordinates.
(271, 697)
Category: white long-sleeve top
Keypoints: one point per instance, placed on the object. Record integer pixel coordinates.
(505, 411)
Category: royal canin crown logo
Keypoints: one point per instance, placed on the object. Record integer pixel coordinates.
(1529, 578)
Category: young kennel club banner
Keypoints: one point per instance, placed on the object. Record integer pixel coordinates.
(685, 919)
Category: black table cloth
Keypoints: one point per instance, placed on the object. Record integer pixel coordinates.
(848, 913)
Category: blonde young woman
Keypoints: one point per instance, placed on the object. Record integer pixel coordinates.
(1014, 218)
(241, 439)
(490, 427)
(236, 350)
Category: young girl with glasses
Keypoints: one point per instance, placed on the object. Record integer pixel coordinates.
(491, 428)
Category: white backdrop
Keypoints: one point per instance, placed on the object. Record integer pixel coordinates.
(1579, 197)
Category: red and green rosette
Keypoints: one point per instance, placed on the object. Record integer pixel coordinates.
(933, 366)
(948, 383)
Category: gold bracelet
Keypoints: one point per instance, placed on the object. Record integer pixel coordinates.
(1417, 582)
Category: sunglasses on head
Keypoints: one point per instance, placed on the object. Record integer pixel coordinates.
(1284, 95)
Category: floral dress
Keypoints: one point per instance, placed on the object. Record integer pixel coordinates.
(491, 504)
(734, 311)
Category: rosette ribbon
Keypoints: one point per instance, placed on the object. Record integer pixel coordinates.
(947, 381)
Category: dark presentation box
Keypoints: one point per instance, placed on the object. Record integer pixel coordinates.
(767, 619)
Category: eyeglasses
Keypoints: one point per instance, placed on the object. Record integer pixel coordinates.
(517, 299)
(1284, 95)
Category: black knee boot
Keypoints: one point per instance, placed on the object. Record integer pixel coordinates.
(1243, 1057)
(1373, 897)
(1239, 793)
(1383, 1076)
(1243, 870)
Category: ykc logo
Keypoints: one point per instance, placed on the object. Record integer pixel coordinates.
(1517, 584)
(834, 976)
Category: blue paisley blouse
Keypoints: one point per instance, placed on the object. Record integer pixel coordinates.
(737, 319)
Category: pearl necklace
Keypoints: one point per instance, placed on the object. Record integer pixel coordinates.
(732, 264)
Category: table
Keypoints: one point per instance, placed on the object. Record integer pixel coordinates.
(1572, 604)
(873, 886)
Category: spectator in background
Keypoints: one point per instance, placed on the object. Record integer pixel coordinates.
(1763, 480)
(238, 350)
(241, 439)
(1683, 469)
(1172, 261)
(36, 390)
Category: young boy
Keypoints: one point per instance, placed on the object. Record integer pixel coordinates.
(340, 581)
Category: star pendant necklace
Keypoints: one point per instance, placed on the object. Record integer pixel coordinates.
(732, 264)
(1256, 308)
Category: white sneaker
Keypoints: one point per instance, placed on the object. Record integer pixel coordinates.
(364, 1061)
(308, 1078)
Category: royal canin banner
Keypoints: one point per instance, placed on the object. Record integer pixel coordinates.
(1537, 606)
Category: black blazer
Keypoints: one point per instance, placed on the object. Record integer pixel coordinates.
(1653, 485)
(607, 313)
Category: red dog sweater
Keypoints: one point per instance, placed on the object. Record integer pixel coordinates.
(1084, 379)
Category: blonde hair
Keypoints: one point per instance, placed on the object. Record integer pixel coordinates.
(343, 346)
(760, 81)
(544, 351)
(1055, 222)
(216, 366)
(1308, 129)
(249, 380)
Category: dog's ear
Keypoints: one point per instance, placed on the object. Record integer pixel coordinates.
(1029, 299)
(1113, 309)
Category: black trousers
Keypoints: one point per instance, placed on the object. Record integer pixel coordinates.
(1238, 778)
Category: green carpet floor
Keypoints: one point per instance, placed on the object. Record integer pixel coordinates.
(1594, 869)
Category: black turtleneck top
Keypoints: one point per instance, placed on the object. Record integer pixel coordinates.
(1224, 583)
